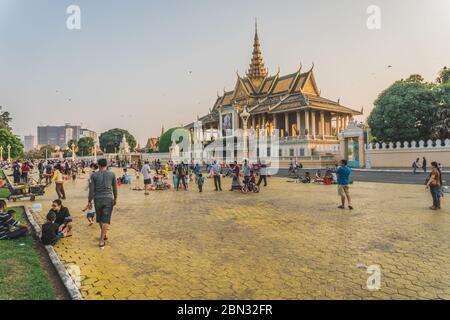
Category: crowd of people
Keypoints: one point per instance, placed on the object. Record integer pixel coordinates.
(102, 187)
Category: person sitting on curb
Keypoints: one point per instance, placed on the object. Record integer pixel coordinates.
(63, 218)
(10, 228)
(50, 230)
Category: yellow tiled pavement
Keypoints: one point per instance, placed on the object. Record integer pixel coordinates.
(288, 242)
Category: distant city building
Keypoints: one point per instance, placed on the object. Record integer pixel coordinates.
(86, 133)
(61, 135)
(29, 143)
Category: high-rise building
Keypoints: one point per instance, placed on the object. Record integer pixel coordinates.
(29, 143)
(58, 135)
(86, 133)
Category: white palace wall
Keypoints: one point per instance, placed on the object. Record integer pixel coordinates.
(402, 155)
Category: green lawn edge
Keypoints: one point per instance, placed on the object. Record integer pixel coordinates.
(21, 274)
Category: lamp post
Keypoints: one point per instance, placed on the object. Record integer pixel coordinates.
(9, 153)
(95, 151)
(245, 115)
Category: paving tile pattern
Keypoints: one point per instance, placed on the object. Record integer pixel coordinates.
(288, 242)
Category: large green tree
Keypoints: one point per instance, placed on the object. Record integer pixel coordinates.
(444, 76)
(405, 111)
(85, 146)
(165, 141)
(46, 151)
(5, 120)
(110, 140)
(442, 124)
(7, 138)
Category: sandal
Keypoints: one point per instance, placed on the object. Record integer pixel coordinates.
(102, 246)
(350, 207)
(341, 207)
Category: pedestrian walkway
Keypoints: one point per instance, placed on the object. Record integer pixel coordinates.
(288, 242)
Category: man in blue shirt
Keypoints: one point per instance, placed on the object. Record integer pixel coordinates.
(343, 174)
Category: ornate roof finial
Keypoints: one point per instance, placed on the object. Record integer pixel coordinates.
(257, 69)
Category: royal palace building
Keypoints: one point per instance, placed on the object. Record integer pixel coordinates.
(308, 124)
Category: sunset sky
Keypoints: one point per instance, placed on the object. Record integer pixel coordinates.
(139, 64)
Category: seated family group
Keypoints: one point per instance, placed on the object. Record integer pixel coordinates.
(58, 225)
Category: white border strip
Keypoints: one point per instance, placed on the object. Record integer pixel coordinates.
(66, 279)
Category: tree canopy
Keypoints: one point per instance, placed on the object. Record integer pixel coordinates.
(444, 76)
(442, 124)
(165, 141)
(85, 146)
(412, 109)
(7, 138)
(110, 140)
(5, 120)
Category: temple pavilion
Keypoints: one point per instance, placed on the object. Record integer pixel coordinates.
(307, 122)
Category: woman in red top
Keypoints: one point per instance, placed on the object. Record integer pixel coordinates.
(25, 170)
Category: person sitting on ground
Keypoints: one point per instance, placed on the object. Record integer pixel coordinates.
(318, 178)
(50, 231)
(90, 215)
(63, 218)
(126, 178)
(10, 228)
(307, 178)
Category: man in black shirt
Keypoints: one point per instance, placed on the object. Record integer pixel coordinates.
(63, 219)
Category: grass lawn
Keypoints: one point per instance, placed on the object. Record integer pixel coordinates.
(4, 192)
(21, 273)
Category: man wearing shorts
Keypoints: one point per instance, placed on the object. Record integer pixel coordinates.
(103, 191)
(343, 174)
(147, 179)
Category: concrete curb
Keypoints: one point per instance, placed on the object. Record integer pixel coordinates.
(65, 277)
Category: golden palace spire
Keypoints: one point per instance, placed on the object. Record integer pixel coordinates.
(257, 69)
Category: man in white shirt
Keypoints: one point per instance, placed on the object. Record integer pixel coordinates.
(147, 178)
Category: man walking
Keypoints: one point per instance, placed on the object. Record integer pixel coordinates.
(343, 174)
(147, 179)
(181, 176)
(415, 165)
(216, 174)
(263, 174)
(103, 191)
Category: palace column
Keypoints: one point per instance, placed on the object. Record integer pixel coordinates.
(330, 124)
(263, 124)
(220, 124)
(254, 122)
(307, 123)
(313, 121)
(275, 123)
(338, 123)
(322, 124)
(287, 130)
(299, 124)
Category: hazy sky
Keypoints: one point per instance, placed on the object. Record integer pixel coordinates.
(129, 65)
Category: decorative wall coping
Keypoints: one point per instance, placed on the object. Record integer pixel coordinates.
(429, 145)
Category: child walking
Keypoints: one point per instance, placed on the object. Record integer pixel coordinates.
(90, 215)
(200, 182)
